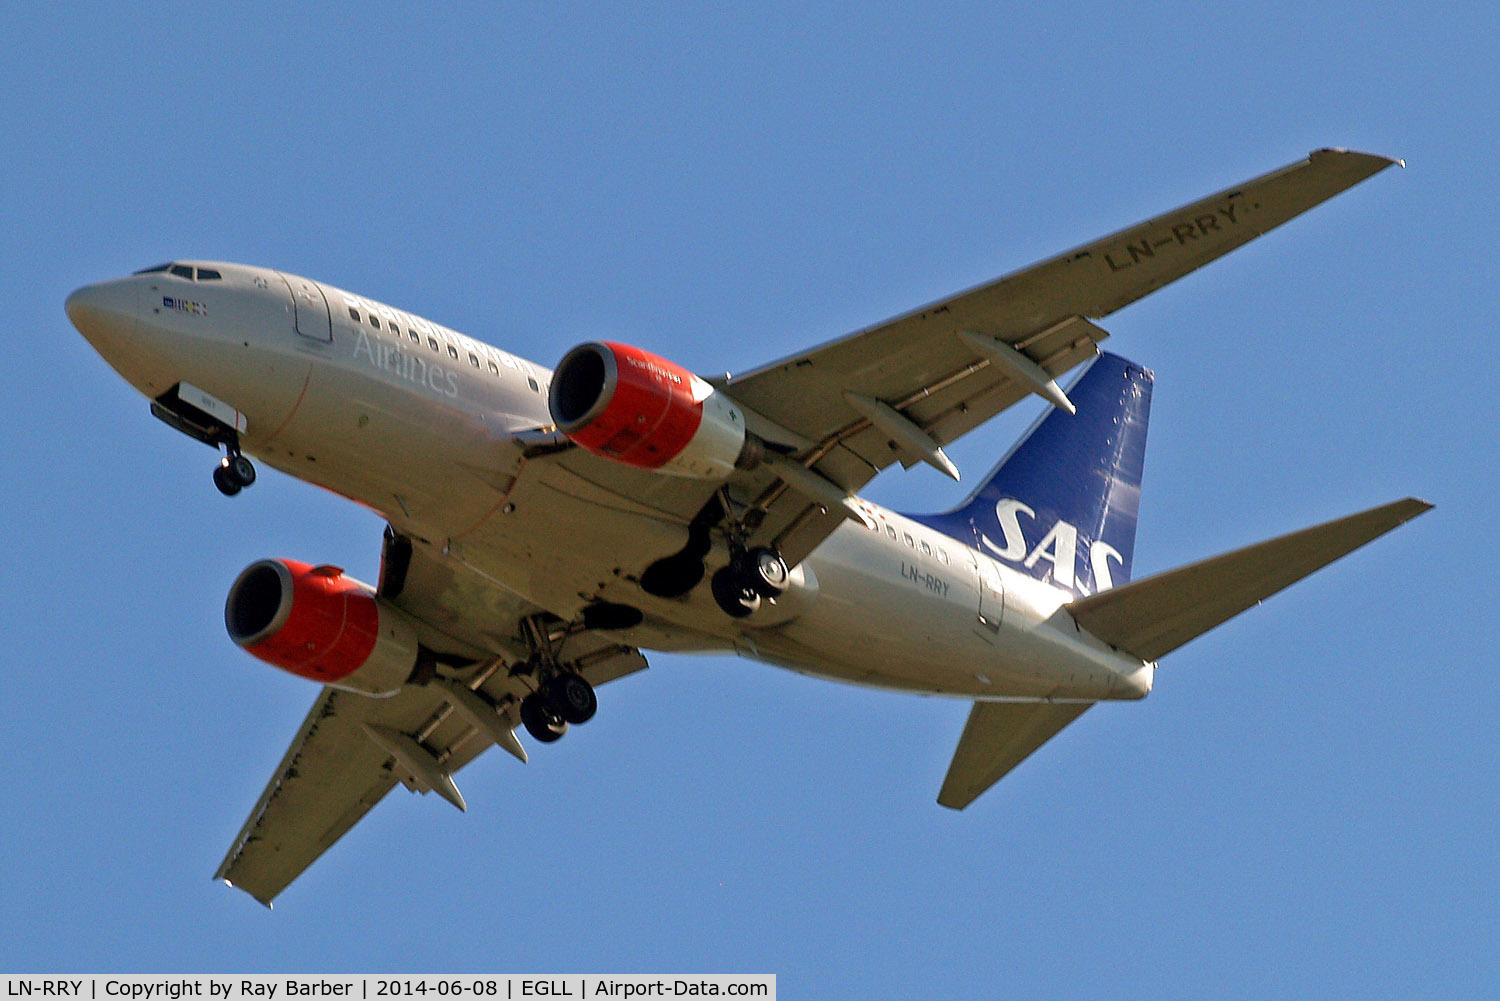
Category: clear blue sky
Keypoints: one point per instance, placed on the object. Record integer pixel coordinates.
(1306, 806)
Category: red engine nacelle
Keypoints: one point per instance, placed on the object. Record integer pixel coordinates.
(319, 624)
(631, 406)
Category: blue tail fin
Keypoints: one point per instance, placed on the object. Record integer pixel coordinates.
(1062, 505)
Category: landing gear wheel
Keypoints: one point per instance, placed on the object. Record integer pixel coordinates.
(737, 598)
(242, 469)
(225, 481)
(766, 572)
(233, 474)
(539, 719)
(572, 697)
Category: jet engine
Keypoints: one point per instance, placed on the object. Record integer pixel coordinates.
(321, 625)
(633, 407)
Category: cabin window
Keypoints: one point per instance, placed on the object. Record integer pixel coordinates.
(416, 338)
(926, 549)
(432, 343)
(353, 314)
(473, 359)
(452, 351)
(534, 387)
(943, 555)
(494, 369)
(890, 530)
(906, 538)
(374, 321)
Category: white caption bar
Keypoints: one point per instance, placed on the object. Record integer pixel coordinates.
(362, 987)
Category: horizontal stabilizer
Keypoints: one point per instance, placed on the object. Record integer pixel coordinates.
(998, 737)
(1154, 616)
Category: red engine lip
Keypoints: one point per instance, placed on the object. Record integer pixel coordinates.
(557, 392)
(309, 621)
(235, 601)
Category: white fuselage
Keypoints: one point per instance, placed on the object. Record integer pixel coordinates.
(416, 422)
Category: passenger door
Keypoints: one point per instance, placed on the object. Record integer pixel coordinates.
(311, 308)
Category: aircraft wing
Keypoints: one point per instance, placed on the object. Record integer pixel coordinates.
(352, 750)
(898, 391)
(911, 357)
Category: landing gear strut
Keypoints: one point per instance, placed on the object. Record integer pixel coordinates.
(562, 696)
(234, 472)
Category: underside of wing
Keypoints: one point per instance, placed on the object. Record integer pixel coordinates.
(894, 360)
(836, 415)
(353, 749)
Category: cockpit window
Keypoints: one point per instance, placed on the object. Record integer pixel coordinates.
(208, 275)
(182, 271)
(154, 268)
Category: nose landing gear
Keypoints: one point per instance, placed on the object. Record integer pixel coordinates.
(233, 473)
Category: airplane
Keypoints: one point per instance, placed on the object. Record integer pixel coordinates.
(543, 527)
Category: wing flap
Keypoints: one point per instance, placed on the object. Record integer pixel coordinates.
(1153, 616)
(997, 738)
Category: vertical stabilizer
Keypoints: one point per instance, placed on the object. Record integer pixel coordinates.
(1062, 505)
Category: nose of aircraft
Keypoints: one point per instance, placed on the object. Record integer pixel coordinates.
(104, 311)
(108, 316)
(107, 302)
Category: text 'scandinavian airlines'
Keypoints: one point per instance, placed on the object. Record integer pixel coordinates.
(545, 526)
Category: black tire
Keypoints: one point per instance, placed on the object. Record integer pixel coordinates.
(733, 596)
(572, 698)
(224, 480)
(766, 572)
(242, 470)
(539, 720)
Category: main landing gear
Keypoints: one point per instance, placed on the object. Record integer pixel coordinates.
(560, 700)
(562, 695)
(234, 472)
(752, 575)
